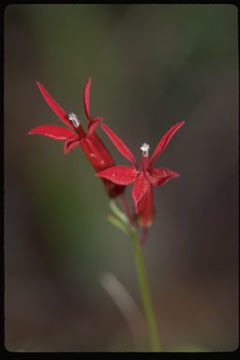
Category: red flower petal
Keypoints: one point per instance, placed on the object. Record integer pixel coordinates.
(159, 177)
(71, 143)
(86, 98)
(164, 141)
(122, 148)
(140, 188)
(54, 132)
(93, 124)
(54, 106)
(121, 175)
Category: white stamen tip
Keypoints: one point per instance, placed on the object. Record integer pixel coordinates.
(145, 149)
(73, 117)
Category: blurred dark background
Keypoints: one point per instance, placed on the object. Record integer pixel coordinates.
(151, 66)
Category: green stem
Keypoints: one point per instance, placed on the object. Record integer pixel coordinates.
(144, 289)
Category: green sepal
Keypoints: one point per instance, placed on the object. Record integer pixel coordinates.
(116, 211)
(118, 224)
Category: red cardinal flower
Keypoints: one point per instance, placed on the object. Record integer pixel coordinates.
(91, 144)
(145, 177)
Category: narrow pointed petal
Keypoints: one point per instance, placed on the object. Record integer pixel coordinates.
(159, 177)
(54, 106)
(120, 175)
(122, 148)
(52, 131)
(164, 141)
(93, 125)
(86, 98)
(139, 190)
(71, 143)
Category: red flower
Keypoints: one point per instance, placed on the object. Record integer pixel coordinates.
(91, 144)
(143, 179)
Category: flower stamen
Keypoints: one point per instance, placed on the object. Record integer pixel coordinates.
(145, 149)
(73, 117)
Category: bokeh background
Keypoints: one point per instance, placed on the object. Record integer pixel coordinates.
(151, 66)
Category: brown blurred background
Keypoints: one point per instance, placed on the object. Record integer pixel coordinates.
(151, 66)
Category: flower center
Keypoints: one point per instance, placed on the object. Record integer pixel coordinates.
(73, 117)
(145, 149)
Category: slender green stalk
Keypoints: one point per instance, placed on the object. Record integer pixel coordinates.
(120, 222)
(144, 289)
